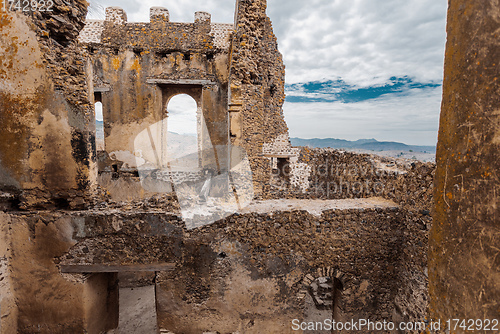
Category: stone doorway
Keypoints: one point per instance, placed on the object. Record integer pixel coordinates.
(120, 299)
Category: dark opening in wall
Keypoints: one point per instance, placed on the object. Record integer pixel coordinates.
(210, 56)
(326, 293)
(61, 203)
(116, 51)
(97, 96)
(338, 287)
(187, 56)
(284, 168)
(114, 174)
(272, 89)
(163, 54)
(137, 52)
(102, 302)
(60, 39)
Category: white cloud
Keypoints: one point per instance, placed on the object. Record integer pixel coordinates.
(411, 118)
(364, 42)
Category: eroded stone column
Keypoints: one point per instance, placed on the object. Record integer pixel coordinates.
(464, 275)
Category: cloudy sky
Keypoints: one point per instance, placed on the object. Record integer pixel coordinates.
(354, 69)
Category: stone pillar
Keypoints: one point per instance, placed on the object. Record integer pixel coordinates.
(257, 92)
(464, 261)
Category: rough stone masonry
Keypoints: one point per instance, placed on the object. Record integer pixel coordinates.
(77, 227)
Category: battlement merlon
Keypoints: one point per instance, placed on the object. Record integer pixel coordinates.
(117, 15)
(159, 14)
(202, 17)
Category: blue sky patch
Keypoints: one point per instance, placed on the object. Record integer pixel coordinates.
(338, 90)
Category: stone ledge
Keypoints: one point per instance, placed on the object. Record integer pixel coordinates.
(103, 268)
(316, 207)
(181, 82)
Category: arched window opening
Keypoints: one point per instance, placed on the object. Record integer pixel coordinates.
(182, 115)
(182, 126)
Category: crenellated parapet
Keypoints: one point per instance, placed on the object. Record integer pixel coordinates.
(159, 33)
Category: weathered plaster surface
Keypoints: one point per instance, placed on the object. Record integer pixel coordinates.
(46, 144)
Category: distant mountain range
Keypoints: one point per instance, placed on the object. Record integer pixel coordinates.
(182, 142)
(361, 144)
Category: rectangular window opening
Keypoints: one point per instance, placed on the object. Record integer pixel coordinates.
(99, 122)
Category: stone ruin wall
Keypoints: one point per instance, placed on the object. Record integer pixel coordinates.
(336, 174)
(220, 270)
(138, 67)
(262, 251)
(279, 255)
(257, 80)
(239, 60)
(378, 255)
(47, 158)
(46, 155)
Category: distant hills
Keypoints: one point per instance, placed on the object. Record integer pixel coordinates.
(361, 144)
(182, 142)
